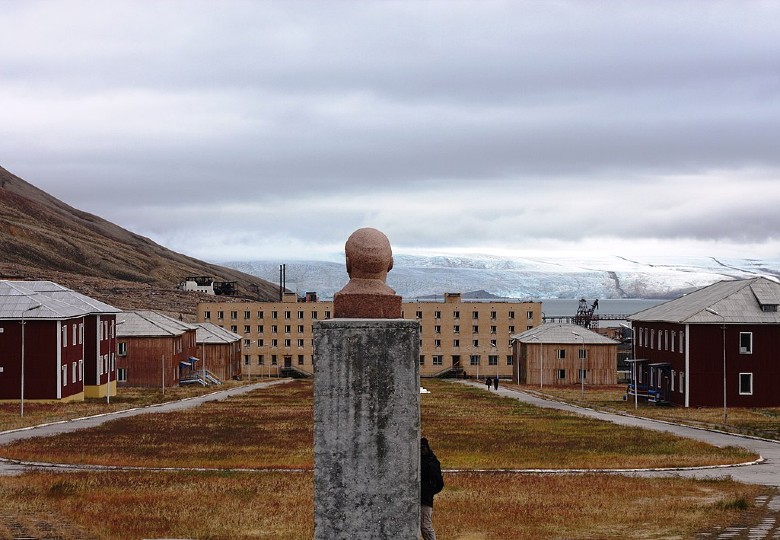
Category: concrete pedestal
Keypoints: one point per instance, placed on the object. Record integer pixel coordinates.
(366, 429)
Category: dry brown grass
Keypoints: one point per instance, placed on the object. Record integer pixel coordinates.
(279, 506)
(469, 428)
(36, 413)
(762, 422)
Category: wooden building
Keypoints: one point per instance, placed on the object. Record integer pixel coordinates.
(559, 354)
(66, 352)
(716, 346)
(457, 336)
(153, 349)
(219, 351)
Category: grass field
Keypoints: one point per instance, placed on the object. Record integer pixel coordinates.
(761, 422)
(468, 428)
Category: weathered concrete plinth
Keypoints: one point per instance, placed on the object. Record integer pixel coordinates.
(366, 429)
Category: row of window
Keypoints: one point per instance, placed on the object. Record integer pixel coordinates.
(474, 359)
(475, 315)
(77, 372)
(673, 341)
(261, 315)
(274, 360)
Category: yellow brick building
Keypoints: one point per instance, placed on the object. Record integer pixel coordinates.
(471, 337)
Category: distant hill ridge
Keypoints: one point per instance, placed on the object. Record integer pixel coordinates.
(41, 237)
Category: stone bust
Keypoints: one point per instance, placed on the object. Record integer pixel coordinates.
(369, 258)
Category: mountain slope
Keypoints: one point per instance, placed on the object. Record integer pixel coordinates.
(43, 238)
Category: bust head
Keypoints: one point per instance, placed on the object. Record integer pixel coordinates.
(369, 255)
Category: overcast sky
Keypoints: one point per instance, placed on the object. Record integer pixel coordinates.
(271, 130)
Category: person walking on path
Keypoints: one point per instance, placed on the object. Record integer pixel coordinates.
(431, 483)
(488, 382)
(495, 382)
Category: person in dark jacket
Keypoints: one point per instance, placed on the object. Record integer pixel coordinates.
(488, 382)
(495, 383)
(431, 483)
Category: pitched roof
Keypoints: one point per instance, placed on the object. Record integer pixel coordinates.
(46, 300)
(149, 324)
(211, 333)
(562, 334)
(745, 301)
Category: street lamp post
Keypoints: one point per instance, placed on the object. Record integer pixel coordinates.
(582, 367)
(723, 341)
(21, 389)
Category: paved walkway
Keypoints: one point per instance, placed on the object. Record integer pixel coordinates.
(766, 472)
(6, 437)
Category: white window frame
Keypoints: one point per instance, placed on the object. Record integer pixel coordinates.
(749, 392)
(749, 348)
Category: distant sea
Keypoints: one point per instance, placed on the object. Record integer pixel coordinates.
(556, 307)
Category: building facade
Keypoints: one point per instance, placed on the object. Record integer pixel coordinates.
(219, 351)
(560, 354)
(716, 346)
(62, 340)
(457, 336)
(153, 349)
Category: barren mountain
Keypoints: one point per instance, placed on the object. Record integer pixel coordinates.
(43, 238)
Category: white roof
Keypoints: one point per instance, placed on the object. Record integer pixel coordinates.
(46, 300)
(739, 302)
(211, 333)
(562, 334)
(149, 324)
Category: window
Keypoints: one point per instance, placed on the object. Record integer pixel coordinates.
(493, 360)
(560, 354)
(493, 343)
(745, 384)
(287, 328)
(418, 314)
(682, 341)
(300, 359)
(422, 359)
(274, 360)
(437, 329)
(246, 359)
(682, 382)
(121, 348)
(674, 339)
(247, 343)
(493, 315)
(81, 370)
(260, 359)
(260, 342)
(456, 343)
(474, 359)
(437, 360)
(74, 373)
(475, 343)
(456, 329)
(247, 315)
(64, 375)
(220, 315)
(511, 314)
(327, 314)
(259, 314)
(287, 315)
(274, 328)
(64, 335)
(475, 315)
(247, 329)
(475, 329)
(511, 329)
(300, 315)
(456, 314)
(652, 338)
(746, 343)
(582, 354)
(207, 315)
(75, 332)
(121, 375)
(233, 328)
(509, 360)
(301, 329)
(314, 315)
(233, 315)
(530, 315)
(560, 374)
(274, 343)
(437, 314)
(274, 315)
(437, 343)
(300, 343)
(259, 328)
(582, 373)
(493, 329)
